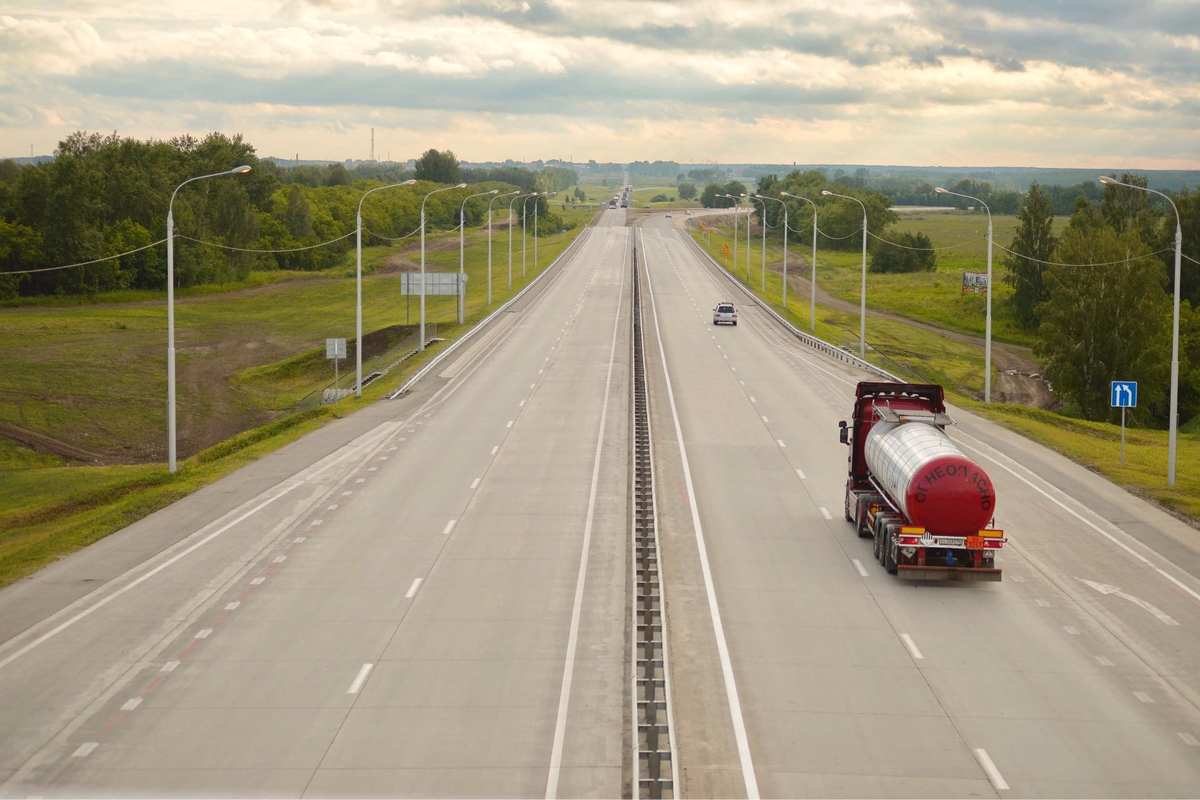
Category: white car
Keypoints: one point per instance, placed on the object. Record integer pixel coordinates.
(724, 312)
(668, 215)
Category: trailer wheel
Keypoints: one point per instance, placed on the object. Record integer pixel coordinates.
(889, 563)
(879, 546)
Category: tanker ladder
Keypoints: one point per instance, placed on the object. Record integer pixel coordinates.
(654, 767)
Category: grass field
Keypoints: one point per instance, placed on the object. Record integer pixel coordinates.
(94, 375)
(933, 297)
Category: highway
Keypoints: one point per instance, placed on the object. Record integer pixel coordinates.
(852, 683)
(432, 597)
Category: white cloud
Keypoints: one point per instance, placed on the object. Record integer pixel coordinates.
(920, 81)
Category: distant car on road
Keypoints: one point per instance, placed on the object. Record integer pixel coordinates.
(725, 312)
(668, 215)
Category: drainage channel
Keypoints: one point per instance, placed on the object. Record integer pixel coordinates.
(655, 770)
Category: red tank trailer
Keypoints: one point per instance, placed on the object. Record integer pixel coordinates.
(927, 505)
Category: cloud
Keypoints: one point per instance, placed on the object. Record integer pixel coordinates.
(752, 80)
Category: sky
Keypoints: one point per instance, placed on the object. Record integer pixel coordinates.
(1041, 83)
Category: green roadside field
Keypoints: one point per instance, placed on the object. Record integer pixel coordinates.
(916, 353)
(93, 376)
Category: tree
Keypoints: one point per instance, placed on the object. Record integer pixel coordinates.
(1128, 209)
(658, 198)
(438, 166)
(709, 199)
(906, 252)
(1105, 321)
(299, 215)
(687, 191)
(1034, 242)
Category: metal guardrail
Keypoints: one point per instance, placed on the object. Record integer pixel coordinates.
(815, 342)
(483, 323)
(373, 369)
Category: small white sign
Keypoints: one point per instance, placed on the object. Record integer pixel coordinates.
(335, 348)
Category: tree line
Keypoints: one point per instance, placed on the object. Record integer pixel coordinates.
(105, 195)
(1102, 308)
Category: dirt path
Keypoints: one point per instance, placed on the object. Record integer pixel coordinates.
(40, 443)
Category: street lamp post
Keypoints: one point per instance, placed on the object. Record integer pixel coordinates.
(862, 311)
(494, 199)
(462, 231)
(524, 245)
(510, 227)
(1173, 429)
(421, 344)
(812, 310)
(764, 244)
(171, 308)
(736, 201)
(987, 325)
(358, 287)
(785, 233)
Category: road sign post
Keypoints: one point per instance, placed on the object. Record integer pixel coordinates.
(1123, 396)
(336, 349)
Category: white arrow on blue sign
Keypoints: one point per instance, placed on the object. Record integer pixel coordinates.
(1124, 394)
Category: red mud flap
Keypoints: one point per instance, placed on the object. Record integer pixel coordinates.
(914, 572)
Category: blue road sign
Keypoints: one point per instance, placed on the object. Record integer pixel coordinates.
(1124, 394)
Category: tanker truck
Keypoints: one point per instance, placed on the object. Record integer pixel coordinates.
(929, 508)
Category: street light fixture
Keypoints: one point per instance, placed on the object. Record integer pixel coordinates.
(764, 244)
(987, 336)
(494, 199)
(862, 311)
(421, 344)
(510, 227)
(358, 287)
(462, 230)
(785, 233)
(1173, 429)
(171, 308)
(812, 311)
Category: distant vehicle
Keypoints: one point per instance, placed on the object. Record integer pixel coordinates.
(612, 205)
(668, 215)
(724, 312)
(688, 213)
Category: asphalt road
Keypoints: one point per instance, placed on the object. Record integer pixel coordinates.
(852, 683)
(431, 597)
(389, 615)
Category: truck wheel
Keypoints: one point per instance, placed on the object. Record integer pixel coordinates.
(879, 540)
(889, 563)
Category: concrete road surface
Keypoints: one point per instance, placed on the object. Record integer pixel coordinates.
(852, 683)
(429, 607)
(431, 597)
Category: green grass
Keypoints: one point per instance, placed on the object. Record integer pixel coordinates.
(102, 369)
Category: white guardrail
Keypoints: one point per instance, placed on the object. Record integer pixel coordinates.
(815, 342)
(486, 321)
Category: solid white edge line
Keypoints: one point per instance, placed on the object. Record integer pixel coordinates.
(911, 646)
(360, 679)
(990, 770)
(62, 627)
(731, 692)
(412, 590)
(564, 695)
